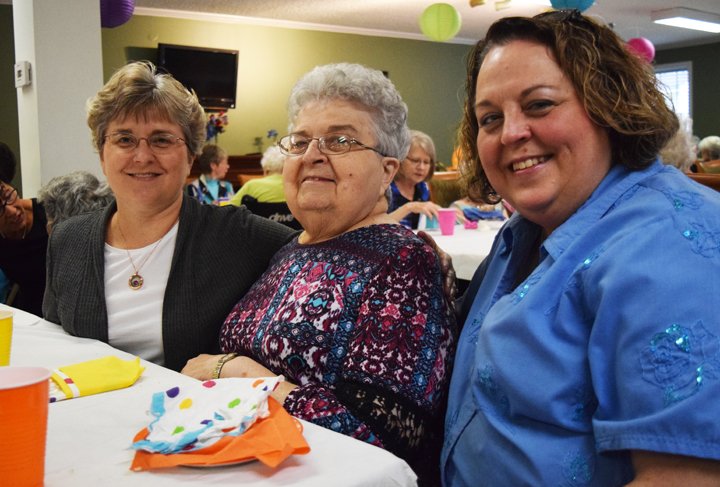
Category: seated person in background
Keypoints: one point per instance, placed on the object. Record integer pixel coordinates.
(410, 191)
(473, 211)
(709, 148)
(5, 286)
(209, 188)
(590, 349)
(352, 312)
(156, 272)
(73, 194)
(23, 238)
(269, 188)
(679, 151)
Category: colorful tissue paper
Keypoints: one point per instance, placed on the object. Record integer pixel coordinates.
(218, 422)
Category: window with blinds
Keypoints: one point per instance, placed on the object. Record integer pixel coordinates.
(676, 80)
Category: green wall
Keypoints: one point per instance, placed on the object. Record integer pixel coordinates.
(429, 75)
(705, 80)
(8, 94)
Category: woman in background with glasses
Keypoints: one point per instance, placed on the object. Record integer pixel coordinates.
(588, 356)
(410, 190)
(155, 273)
(352, 312)
(23, 238)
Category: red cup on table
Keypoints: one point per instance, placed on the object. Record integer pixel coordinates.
(23, 415)
(446, 217)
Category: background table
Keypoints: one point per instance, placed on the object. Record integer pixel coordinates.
(89, 437)
(467, 248)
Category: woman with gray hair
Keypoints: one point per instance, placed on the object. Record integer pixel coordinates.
(73, 194)
(709, 148)
(269, 188)
(143, 273)
(351, 312)
(410, 190)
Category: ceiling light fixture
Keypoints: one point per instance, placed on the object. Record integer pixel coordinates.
(687, 18)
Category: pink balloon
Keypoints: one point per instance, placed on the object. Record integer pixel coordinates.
(642, 47)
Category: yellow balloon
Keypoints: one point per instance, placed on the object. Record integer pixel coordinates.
(440, 22)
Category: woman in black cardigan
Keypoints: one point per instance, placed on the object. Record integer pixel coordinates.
(156, 273)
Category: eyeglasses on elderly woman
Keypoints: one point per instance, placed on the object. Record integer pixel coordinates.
(159, 143)
(329, 144)
(8, 196)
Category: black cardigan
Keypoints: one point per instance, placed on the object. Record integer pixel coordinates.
(212, 241)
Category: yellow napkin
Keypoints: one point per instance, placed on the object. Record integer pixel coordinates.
(94, 376)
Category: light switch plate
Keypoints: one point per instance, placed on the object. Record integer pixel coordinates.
(22, 74)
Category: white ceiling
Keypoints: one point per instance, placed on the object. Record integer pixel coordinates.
(399, 18)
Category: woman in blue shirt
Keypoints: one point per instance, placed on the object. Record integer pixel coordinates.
(410, 190)
(587, 356)
(209, 188)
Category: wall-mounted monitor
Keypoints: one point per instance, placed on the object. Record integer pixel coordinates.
(211, 73)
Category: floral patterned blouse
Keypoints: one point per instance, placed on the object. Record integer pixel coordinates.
(361, 325)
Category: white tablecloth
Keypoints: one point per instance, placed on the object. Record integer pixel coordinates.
(89, 437)
(467, 248)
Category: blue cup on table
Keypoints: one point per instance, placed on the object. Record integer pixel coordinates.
(425, 223)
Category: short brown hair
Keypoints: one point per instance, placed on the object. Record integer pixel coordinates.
(211, 154)
(137, 89)
(618, 89)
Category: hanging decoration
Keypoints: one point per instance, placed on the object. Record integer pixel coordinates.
(581, 5)
(440, 22)
(642, 47)
(114, 13)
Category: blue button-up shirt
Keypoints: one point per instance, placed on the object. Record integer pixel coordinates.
(611, 344)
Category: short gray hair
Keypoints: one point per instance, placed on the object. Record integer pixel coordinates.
(73, 194)
(711, 144)
(366, 86)
(273, 160)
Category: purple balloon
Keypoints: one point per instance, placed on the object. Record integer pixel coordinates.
(642, 47)
(115, 12)
(581, 5)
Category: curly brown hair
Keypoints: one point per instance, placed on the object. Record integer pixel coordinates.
(618, 89)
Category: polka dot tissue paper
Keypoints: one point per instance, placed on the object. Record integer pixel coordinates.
(209, 423)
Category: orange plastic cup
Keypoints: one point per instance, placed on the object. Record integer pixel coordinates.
(23, 416)
(6, 328)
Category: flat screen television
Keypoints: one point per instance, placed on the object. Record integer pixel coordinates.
(211, 73)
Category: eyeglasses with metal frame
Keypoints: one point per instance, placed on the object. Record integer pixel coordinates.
(419, 162)
(328, 144)
(158, 143)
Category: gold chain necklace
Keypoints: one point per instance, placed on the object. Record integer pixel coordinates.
(136, 281)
